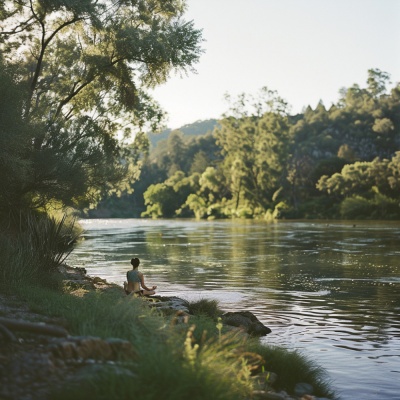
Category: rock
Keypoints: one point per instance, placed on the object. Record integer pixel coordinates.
(74, 284)
(246, 320)
(87, 347)
(171, 303)
(122, 349)
(265, 380)
(302, 389)
(98, 280)
(96, 369)
(240, 319)
(88, 375)
(31, 327)
(261, 394)
(308, 397)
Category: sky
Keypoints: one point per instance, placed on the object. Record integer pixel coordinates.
(305, 50)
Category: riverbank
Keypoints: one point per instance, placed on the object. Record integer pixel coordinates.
(41, 365)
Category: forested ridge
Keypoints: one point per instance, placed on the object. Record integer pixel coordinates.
(260, 161)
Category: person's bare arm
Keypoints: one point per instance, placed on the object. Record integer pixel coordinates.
(143, 284)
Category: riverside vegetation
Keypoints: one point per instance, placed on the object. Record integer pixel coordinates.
(260, 161)
(198, 359)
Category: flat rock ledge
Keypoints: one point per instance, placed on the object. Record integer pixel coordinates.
(244, 320)
(38, 355)
(76, 278)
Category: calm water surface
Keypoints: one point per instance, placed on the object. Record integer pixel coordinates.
(331, 290)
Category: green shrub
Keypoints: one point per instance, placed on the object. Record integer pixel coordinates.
(35, 251)
(378, 207)
(356, 207)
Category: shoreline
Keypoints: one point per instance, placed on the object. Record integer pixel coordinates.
(38, 363)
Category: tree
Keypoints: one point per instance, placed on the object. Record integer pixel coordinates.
(366, 119)
(255, 146)
(165, 199)
(175, 150)
(15, 170)
(86, 66)
(377, 81)
(364, 179)
(200, 162)
(394, 173)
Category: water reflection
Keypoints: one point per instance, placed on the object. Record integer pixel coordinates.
(329, 289)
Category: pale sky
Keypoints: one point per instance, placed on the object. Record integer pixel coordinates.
(306, 50)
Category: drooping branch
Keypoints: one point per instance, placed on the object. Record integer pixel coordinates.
(44, 44)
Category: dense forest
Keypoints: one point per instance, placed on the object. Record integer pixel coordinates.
(259, 161)
(75, 103)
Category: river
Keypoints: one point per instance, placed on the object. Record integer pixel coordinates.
(329, 289)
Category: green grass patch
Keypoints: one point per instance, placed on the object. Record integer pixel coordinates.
(193, 360)
(174, 362)
(209, 308)
(293, 367)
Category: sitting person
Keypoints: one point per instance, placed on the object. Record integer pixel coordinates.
(136, 281)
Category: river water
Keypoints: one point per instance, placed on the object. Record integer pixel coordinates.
(329, 289)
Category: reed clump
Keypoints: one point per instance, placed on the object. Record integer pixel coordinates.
(32, 247)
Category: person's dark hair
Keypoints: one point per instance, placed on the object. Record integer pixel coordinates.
(135, 262)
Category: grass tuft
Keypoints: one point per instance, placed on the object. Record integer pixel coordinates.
(207, 307)
(293, 367)
(35, 251)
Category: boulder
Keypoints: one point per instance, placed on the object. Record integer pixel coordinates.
(247, 321)
(86, 347)
(170, 303)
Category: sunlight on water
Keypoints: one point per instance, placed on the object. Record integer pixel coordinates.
(329, 290)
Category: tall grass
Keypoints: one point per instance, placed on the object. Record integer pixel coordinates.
(173, 362)
(205, 307)
(33, 251)
(293, 367)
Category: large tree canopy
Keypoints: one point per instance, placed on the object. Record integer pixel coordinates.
(86, 66)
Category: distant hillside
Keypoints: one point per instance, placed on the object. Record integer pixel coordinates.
(197, 128)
